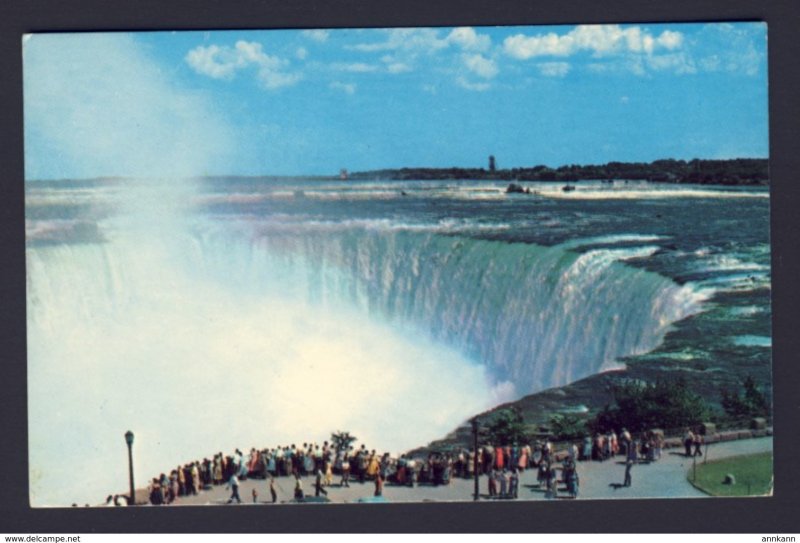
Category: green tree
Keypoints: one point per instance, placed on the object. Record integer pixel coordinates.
(568, 426)
(507, 427)
(753, 403)
(342, 440)
(640, 406)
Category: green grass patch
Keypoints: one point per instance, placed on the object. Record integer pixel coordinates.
(753, 473)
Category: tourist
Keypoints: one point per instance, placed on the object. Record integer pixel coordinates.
(688, 440)
(373, 465)
(552, 482)
(651, 448)
(698, 443)
(487, 454)
(524, 453)
(318, 484)
(233, 484)
(309, 462)
(328, 471)
(547, 450)
(362, 463)
(514, 485)
(195, 470)
(181, 481)
(503, 478)
(659, 445)
(543, 472)
(273, 493)
(156, 497)
(645, 447)
(345, 469)
(499, 459)
(217, 470)
(626, 440)
(570, 472)
(492, 482)
(586, 451)
(632, 457)
(173, 486)
(528, 456)
(378, 484)
(298, 487)
(471, 463)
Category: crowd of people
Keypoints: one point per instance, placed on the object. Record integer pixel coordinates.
(331, 465)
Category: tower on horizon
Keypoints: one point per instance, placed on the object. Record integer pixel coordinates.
(492, 166)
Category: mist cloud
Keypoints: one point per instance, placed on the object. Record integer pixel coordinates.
(100, 105)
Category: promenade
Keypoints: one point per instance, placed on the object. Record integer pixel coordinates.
(665, 478)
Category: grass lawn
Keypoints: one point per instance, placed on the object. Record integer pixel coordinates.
(753, 474)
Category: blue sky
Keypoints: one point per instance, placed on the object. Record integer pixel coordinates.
(311, 102)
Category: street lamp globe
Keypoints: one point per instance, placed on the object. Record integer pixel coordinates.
(129, 437)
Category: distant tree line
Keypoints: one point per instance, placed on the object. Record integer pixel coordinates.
(739, 171)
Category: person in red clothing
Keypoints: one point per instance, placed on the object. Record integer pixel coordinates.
(499, 458)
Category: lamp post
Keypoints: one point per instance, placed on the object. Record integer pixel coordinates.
(129, 441)
(474, 422)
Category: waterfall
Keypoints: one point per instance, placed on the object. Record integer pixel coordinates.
(534, 316)
(219, 336)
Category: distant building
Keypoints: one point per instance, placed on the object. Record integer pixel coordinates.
(492, 166)
(343, 175)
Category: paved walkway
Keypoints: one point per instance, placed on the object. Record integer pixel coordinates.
(665, 478)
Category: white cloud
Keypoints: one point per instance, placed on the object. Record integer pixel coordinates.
(481, 66)
(213, 61)
(301, 53)
(670, 40)
(398, 67)
(624, 99)
(553, 69)
(599, 40)
(405, 39)
(348, 88)
(711, 63)
(355, 67)
(318, 35)
(222, 62)
(466, 38)
(678, 63)
(469, 85)
(524, 47)
(271, 79)
(732, 48)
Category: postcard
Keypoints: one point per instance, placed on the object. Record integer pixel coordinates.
(398, 265)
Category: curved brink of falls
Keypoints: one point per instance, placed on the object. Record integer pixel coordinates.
(535, 316)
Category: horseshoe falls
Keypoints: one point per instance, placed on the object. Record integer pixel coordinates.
(533, 316)
(264, 313)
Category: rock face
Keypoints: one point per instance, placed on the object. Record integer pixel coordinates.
(514, 188)
(729, 479)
